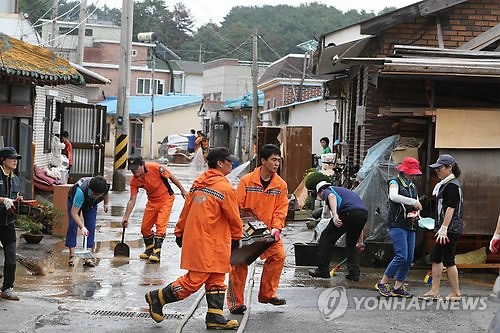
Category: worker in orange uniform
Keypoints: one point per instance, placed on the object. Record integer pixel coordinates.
(154, 178)
(209, 226)
(265, 192)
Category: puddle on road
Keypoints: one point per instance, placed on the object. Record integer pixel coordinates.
(117, 210)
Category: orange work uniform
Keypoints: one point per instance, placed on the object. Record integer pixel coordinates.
(160, 201)
(208, 222)
(270, 205)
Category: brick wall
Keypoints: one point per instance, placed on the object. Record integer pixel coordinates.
(287, 94)
(459, 25)
(462, 23)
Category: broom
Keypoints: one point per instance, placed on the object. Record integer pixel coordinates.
(84, 253)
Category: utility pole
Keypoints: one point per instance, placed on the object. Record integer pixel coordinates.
(54, 23)
(122, 106)
(81, 31)
(255, 97)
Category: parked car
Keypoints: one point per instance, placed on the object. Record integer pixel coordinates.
(171, 144)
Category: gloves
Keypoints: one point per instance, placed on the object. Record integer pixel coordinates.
(276, 233)
(85, 232)
(235, 243)
(442, 235)
(495, 244)
(9, 204)
(178, 241)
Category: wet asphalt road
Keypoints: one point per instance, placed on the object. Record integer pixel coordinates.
(110, 297)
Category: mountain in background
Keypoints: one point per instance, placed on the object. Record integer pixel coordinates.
(280, 28)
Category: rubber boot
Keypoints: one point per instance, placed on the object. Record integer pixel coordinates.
(148, 242)
(156, 255)
(157, 299)
(215, 315)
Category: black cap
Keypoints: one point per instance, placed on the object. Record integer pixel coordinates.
(443, 160)
(134, 162)
(10, 152)
(220, 153)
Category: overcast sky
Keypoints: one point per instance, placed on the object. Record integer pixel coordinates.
(205, 11)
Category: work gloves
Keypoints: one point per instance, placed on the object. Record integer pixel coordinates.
(442, 235)
(9, 205)
(178, 241)
(495, 244)
(276, 233)
(85, 231)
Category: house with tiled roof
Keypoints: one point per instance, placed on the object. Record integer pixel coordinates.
(43, 94)
(23, 67)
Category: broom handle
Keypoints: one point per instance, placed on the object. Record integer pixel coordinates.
(85, 242)
(123, 233)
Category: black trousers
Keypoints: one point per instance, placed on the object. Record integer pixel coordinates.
(353, 222)
(8, 239)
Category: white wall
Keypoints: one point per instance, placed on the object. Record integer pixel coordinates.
(64, 94)
(313, 114)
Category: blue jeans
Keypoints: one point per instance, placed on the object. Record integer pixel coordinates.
(89, 220)
(403, 242)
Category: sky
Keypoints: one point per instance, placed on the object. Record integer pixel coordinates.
(205, 11)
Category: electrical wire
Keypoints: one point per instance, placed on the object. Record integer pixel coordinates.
(216, 34)
(71, 30)
(299, 71)
(52, 19)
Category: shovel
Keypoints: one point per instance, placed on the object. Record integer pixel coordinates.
(122, 249)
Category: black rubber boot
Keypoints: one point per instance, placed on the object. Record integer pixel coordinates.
(215, 319)
(157, 299)
(320, 273)
(148, 242)
(156, 255)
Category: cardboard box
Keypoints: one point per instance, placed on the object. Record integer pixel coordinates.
(407, 147)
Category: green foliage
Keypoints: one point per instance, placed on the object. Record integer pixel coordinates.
(42, 222)
(308, 203)
(29, 224)
(314, 178)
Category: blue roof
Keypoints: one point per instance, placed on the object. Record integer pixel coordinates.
(140, 106)
(244, 102)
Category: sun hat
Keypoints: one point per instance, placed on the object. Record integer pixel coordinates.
(410, 166)
(321, 185)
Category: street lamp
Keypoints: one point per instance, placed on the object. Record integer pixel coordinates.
(148, 37)
(163, 53)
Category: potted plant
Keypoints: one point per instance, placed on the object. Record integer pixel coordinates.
(39, 223)
(32, 227)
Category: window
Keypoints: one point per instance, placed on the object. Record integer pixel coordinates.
(282, 117)
(47, 121)
(178, 84)
(73, 31)
(144, 87)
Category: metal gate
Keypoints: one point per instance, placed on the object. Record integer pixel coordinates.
(86, 125)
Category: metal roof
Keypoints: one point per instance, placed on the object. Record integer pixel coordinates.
(140, 106)
(244, 101)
